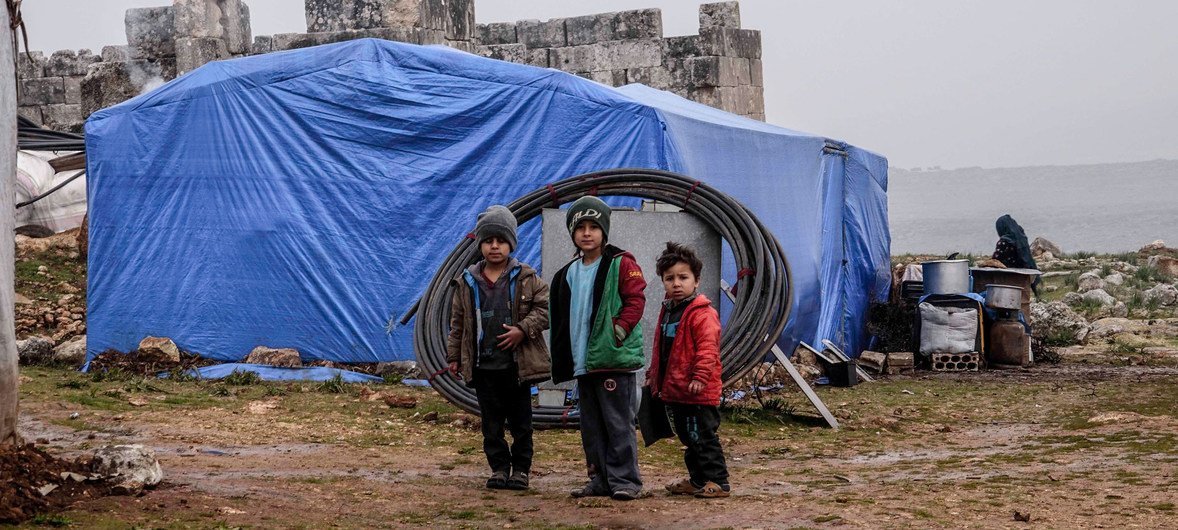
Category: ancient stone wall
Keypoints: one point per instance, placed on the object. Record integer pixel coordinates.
(720, 66)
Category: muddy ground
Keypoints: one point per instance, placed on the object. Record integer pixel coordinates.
(1092, 442)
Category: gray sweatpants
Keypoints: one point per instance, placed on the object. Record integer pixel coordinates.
(607, 431)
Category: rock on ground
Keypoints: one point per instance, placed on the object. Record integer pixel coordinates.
(1073, 298)
(1165, 265)
(1101, 297)
(34, 351)
(1114, 279)
(1089, 281)
(1162, 294)
(71, 352)
(1056, 320)
(1041, 245)
(280, 357)
(132, 467)
(161, 347)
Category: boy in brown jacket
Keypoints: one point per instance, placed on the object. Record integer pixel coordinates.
(497, 316)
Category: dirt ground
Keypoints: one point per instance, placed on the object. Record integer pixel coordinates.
(1092, 442)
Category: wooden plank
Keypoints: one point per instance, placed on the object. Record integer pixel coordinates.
(793, 372)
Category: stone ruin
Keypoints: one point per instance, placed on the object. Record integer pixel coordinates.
(719, 67)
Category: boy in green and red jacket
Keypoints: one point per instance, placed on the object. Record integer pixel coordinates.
(685, 372)
(595, 307)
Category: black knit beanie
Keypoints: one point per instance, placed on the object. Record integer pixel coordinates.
(591, 208)
(496, 221)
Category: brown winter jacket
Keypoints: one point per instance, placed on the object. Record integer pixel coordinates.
(529, 310)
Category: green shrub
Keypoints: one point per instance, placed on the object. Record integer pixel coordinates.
(242, 378)
(335, 385)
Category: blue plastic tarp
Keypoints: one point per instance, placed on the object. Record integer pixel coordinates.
(305, 198)
(273, 373)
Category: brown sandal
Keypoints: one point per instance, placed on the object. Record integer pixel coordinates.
(683, 487)
(711, 490)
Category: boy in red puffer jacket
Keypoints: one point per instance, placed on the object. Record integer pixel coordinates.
(685, 372)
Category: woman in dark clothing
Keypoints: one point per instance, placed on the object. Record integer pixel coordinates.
(1013, 250)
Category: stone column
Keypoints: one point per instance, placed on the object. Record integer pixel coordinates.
(9, 376)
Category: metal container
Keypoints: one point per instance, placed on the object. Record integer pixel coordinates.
(1004, 296)
(947, 276)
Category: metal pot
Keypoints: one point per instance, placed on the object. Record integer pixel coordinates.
(1004, 296)
(947, 276)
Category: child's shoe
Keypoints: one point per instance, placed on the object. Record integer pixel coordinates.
(711, 490)
(498, 480)
(683, 487)
(590, 490)
(518, 481)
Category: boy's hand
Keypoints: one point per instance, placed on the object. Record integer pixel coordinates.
(454, 370)
(620, 333)
(695, 387)
(512, 338)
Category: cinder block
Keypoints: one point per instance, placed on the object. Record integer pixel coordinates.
(194, 52)
(515, 53)
(652, 76)
(547, 34)
(30, 65)
(32, 113)
(62, 117)
(262, 44)
(151, 30)
(119, 54)
(73, 90)
(42, 91)
(603, 56)
(730, 42)
(496, 33)
(722, 14)
(756, 76)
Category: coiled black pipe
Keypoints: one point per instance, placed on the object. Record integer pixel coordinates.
(762, 300)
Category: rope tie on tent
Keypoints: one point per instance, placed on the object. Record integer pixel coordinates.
(754, 323)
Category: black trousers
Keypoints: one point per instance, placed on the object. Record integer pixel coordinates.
(503, 402)
(696, 426)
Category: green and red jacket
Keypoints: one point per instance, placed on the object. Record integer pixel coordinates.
(618, 299)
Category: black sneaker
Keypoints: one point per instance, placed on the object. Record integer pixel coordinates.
(626, 495)
(498, 480)
(518, 481)
(590, 490)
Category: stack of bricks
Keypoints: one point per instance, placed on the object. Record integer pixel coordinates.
(720, 67)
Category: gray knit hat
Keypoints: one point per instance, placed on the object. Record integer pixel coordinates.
(591, 208)
(496, 221)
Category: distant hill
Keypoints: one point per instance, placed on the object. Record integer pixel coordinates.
(1100, 207)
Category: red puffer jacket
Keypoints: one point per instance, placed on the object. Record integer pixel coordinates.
(695, 356)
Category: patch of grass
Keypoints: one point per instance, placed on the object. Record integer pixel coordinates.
(393, 378)
(75, 384)
(182, 375)
(1163, 506)
(55, 520)
(242, 378)
(1081, 254)
(113, 374)
(277, 390)
(826, 518)
(335, 385)
(463, 515)
(220, 391)
(1145, 273)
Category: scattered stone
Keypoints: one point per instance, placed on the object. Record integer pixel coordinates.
(873, 360)
(1089, 281)
(399, 402)
(1120, 310)
(130, 467)
(406, 369)
(431, 416)
(468, 422)
(261, 407)
(1101, 297)
(160, 347)
(1056, 319)
(1051, 288)
(1163, 294)
(1041, 245)
(280, 357)
(1165, 265)
(1046, 256)
(1152, 247)
(1116, 417)
(1114, 279)
(1073, 298)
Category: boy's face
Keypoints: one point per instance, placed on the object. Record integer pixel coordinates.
(679, 282)
(588, 236)
(495, 250)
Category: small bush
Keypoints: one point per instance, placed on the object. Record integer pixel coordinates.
(242, 378)
(393, 378)
(220, 391)
(111, 374)
(1082, 254)
(182, 375)
(335, 385)
(277, 390)
(1145, 273)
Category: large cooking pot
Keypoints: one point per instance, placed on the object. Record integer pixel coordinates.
(1004, 296)
(946, 276)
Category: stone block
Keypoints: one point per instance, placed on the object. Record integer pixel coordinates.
(62, 117)
(603, 56)
(756, 75)
(681, 47)
(30, 65)
(730, 42)
(73, 90)
(538, 57)
(623, 25)
(468, 46)
(107, 84)
(515, 53)
(652, 76)
(547, 34)
(456, 17)
(324, 16)
(262, 44)
(716, 71)
(758, 117)
(223, 19)
(194, 52)
(238, 32)
(606, 77)
(496, 33)
(427, 36)
(291, 41)
(67, 62)
(151, 30)
(31, 113)
(42, 91)
(722, 14)
(119, 54)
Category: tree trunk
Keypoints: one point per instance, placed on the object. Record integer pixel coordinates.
(8, 370)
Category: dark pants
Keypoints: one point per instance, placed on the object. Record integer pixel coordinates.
(607, 431)
(502, 400)
(696, 426)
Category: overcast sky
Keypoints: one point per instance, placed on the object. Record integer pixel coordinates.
(991, 83)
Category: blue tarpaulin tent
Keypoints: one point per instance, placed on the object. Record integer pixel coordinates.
(305, 198)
